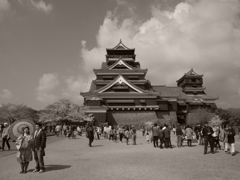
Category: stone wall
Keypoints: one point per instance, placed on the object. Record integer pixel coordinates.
(167, 117)
(135, 118)
(138, 118)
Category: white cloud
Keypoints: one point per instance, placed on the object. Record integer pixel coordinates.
(201, 34)
(5, 7)
(45, 90)
(6, 94)
(40, 5)
(75, 85)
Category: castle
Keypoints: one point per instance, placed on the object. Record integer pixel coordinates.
(120, 94)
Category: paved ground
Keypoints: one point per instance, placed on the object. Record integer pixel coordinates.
(73, 159)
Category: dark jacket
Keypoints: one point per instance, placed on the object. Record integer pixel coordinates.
(207, 131)
(155, 131)
(39, 140)
(231, 134)
(90, 132)
(160, 134)
(179, 131)
(167, 132)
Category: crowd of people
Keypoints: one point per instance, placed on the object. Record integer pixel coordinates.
(33, 145)
(111, 133)
(69, 131)
(204, 135)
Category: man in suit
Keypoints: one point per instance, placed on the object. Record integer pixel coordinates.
(38, 148)
(208, 138)
(167, 136)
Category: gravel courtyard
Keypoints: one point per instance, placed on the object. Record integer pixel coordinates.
(73, 159)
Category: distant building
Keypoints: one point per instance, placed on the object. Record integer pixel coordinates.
(120, 94)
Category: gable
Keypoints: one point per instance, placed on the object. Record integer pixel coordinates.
(119, 64)
(120, 81)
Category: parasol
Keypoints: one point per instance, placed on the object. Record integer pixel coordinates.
(16, 129)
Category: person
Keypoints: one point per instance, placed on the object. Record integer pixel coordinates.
(207, 132)
(111, 134)
(1, 130)
(143, 131)
(147, 137)
(98, 132)
(174, 129)
(197, 131)
(5, 136)
(69, 131)
(189, 135)
(79, 129)
(167, 136)
(231, 140)
(115, 135)
(179, 134)
(24, 144)
(121, 133)
(225, 139)
(57, 130)
(155, 135)
(184, 133)
(127, 134)
(75, 133)
(90, 134)
(222, 135)
(65, 130)
(134, 135)
(216, 137)
(201, 138)
(39, 145)
(161, 136)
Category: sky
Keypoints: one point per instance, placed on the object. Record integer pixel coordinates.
(49, 48)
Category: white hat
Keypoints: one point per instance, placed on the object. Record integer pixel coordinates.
(5, 123)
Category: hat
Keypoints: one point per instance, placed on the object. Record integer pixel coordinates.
(5, 123)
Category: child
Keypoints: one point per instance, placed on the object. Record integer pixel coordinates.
(74, 134)
(147, 137)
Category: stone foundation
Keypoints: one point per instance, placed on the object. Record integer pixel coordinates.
(138, 118)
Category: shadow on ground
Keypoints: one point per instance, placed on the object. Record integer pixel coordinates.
(97, 145)
(54, 167)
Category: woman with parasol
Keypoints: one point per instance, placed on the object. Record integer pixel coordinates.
(24, 145)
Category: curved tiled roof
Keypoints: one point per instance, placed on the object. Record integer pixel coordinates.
(169, 91)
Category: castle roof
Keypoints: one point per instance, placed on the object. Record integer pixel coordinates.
(120, 48)
(190, 74)
(170, 92)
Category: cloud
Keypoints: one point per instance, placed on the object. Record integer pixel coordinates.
(45, 90)
(75, 85)
(201, 34)
(42, 6)
(5, 7)
(38, 5)
(6, 94)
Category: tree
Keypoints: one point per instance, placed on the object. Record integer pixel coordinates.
(200, 115)
(62, 111)
(12, 112)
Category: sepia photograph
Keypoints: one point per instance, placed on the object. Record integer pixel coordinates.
(119, 89)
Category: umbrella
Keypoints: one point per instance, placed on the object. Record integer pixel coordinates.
(16, 129)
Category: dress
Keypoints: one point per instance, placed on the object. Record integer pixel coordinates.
(24, 145)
